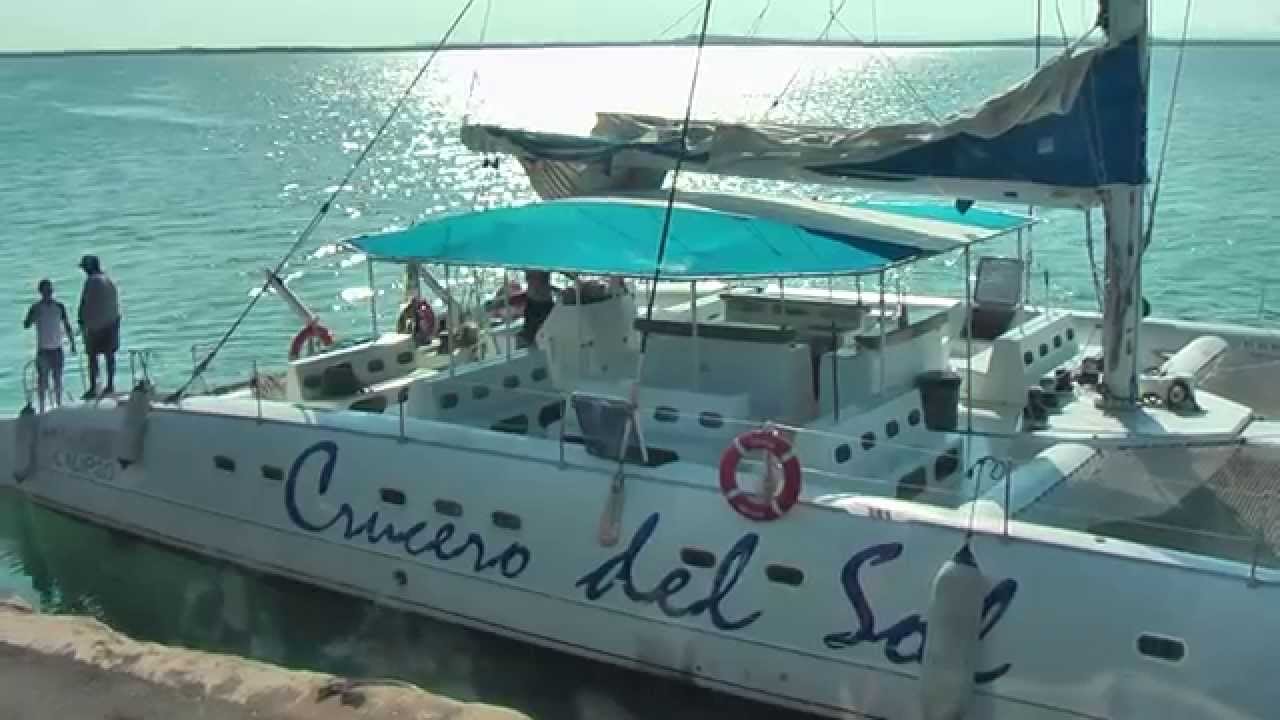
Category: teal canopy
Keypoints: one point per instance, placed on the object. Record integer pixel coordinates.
(620, 236)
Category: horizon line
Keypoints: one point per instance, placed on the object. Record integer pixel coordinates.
(717, 40)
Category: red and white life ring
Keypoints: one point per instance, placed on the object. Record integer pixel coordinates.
(749, 505)
(314, 331)
(418, 319)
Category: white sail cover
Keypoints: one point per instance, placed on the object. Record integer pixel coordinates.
(1076, 125)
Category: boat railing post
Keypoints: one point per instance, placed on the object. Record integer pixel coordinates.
(567, 399)
(506, 309)
(835, 373)
(451, 318)
(373, 300)
(693, 324)
(402, 397)
(1008, 498)
(782, 302)
(881, 354)
(27, 371)
(256, 384)
(577, 301)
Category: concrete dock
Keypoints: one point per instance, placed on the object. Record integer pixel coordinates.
(76, 668)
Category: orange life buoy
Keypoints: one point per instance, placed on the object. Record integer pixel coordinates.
(418, 319)
(749, 505)
(313, 331)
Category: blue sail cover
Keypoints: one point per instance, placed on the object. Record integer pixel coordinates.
(620, 236)
(1099, 138)
(1077, 124)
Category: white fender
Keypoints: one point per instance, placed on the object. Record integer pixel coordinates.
(24, 443)
(134, 426)
(951, 645)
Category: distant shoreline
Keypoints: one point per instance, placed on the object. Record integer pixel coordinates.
(1048, 43)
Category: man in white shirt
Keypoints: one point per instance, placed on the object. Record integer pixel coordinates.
(50, 318)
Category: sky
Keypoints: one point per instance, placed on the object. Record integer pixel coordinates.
(117, 24)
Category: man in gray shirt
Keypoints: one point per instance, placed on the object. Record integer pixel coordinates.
(99, 319)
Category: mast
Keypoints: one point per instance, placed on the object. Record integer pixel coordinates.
(1123, 21)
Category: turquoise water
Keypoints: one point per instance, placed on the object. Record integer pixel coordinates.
(188, 175)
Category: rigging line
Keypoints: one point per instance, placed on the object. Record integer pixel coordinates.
(675, 177)
(755, 25)
(475, 73)
(1062, 25)
(898, 75)
(901, 78)
(1168, 126)
(875, 22)
(692, 8)
(833, 14)
(326, 206)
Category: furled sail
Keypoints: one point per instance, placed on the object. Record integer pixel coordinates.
(1074, 126)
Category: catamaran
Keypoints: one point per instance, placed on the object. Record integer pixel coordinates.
(825, 497)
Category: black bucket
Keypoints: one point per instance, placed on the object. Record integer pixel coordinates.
(940, 396)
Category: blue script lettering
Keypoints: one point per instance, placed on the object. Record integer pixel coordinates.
(912, 629)
(618, 568)
(413, 540)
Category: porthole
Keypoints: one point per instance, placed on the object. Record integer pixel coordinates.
(1028, 358)
(376, 365)
(479, 392)
(538, 375)
(1057, 341)
(913, 418)
(506, 520)
(911, 484)
(697, 557)
(710, 419)
(946, 465)
(868, 440)
(511, 381)
(784, 574)
(448, 401)
(666, 414)
(891, 428)
(1044, 349)
(448, 508)
(405, 358)
(1162, 648)
(843, 453)
(1071, 334)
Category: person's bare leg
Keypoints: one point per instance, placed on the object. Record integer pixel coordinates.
(42, 384)
(111, 374)
(93, 376)
(56, 400)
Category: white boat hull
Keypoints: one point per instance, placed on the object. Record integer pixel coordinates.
(315, 497)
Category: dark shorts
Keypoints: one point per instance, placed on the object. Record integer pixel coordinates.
(103, 341)
(49, 361)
